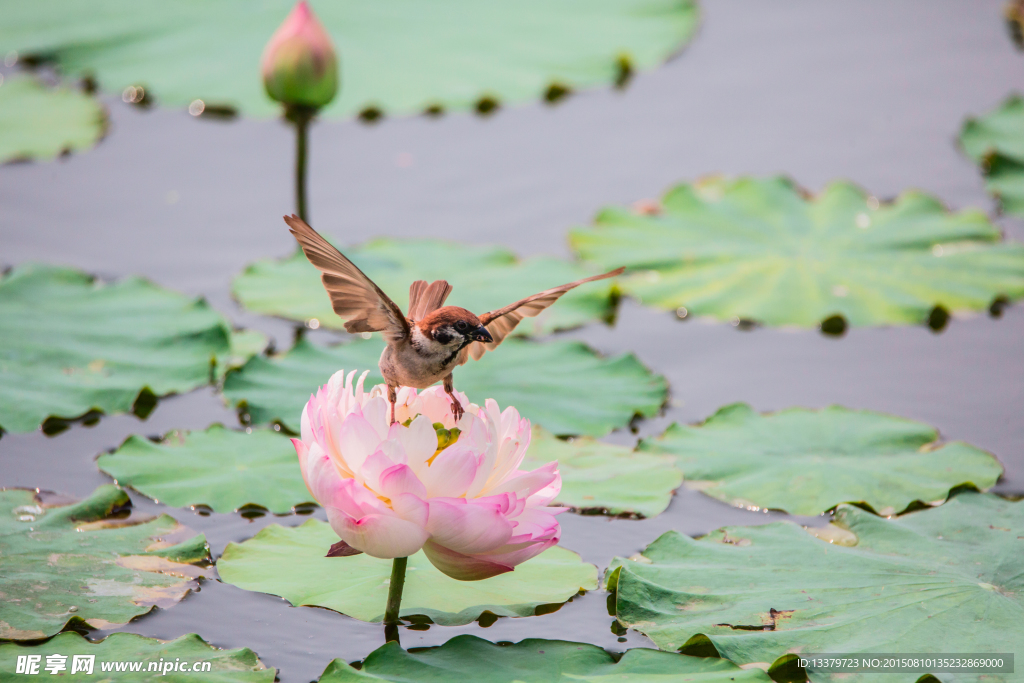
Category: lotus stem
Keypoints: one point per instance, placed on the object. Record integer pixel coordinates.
(300, 117)
(394, 598)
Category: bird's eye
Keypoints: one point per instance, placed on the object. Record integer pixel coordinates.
(462, 326)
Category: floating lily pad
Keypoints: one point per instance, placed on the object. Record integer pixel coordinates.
(604, 478)
(562, 385)
(126, 650)
(402, 58)
(37, 122)
(945, 579)
(996, 141)
(276, 389)
(219, 468)
(468, 658)
(1004, 178)
(291, 562)
(763, 250)
(486, 279)
(86, 562)
(809, 461)
(243, 345)
(71, 345)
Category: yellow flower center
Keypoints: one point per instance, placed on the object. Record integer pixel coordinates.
(445, 438)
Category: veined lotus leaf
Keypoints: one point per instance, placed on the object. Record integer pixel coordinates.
(809, 461)
(72, 344)
(291, 562)
(243, 345)
(764, 250)
(37, 122)
(86, 562)
(1004, 179)
(220, 468)
(120, 652)
(1001, 130)
(605, 478)
(945, 579)
(468, 658)
(487, 279)
(276, 389)
(399, 57)
(561, 385)
(996, 141)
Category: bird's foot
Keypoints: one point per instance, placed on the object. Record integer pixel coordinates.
(457, 410)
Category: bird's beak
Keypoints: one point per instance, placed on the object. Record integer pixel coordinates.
(481, 334)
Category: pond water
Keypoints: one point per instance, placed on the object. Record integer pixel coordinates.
(866, 90)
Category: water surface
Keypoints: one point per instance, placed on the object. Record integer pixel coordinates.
(866, 90)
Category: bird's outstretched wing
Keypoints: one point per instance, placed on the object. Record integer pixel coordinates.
(424, 299)
(354, 296)
(501, 322)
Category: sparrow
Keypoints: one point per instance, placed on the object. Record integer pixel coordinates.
(428, 343)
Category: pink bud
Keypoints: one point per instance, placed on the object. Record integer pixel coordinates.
(299, 64)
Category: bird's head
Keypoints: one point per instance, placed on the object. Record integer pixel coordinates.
(454, 327)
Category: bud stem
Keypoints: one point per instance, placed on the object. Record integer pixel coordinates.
(300, 116)
(394, 598)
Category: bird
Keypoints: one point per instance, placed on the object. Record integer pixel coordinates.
(425, 345)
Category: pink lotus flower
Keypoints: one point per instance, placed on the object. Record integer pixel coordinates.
(299, 65)
(390, 490)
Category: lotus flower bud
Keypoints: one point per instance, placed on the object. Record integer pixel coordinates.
(299, 65)
(454, 490)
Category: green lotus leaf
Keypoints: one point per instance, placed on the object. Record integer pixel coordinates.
(996, 142)
(122, 652)
(398, 58)
(468, 658)
(1004, 178)
(243, 345)
(87, 562)
(763, 250)
(219, 468)
(291, 562)
(945, 579)
(37, 122)
(1001, 130)
(604, 478)
(561, 385)
(71, 344)
(486, 279)
(809, 461)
